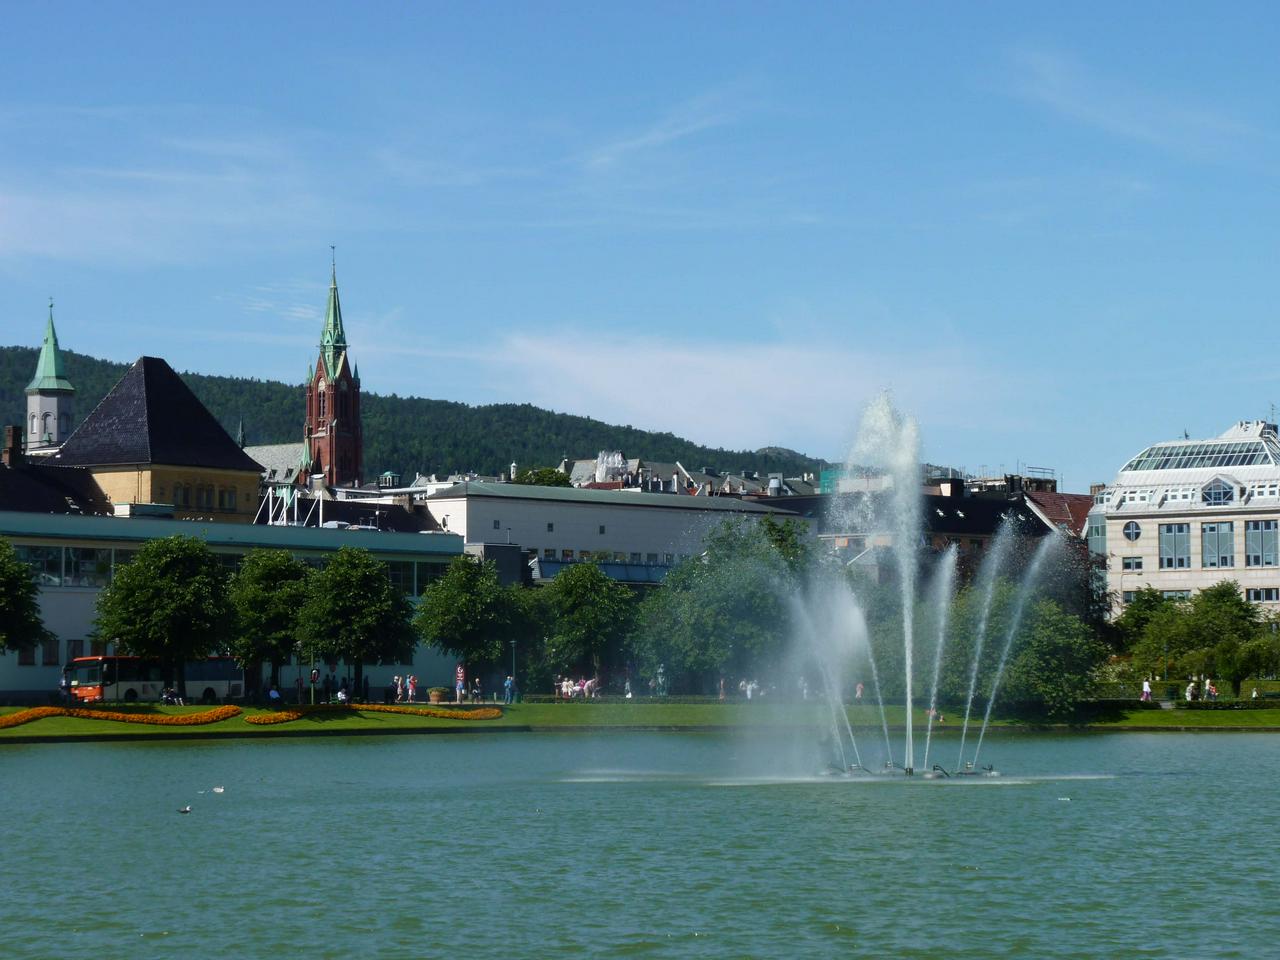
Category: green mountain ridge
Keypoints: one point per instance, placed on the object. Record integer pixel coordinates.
(408, 434)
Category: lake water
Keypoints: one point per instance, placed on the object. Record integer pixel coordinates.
(654, 845)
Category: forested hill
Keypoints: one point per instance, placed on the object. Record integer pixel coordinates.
(406, 434)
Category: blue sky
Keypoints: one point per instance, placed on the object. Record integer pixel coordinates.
(1051, 231)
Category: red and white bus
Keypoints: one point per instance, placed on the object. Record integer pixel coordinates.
(97, 679)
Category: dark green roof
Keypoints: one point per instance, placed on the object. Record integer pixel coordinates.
(50, 374)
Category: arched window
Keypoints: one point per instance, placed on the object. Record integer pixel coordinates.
(1217, 493)
(46, 425)
(33, 424)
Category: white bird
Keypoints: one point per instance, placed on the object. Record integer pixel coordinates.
(219, 789)
(186, 809)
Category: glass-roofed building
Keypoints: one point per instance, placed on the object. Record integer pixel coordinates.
(1185, 514)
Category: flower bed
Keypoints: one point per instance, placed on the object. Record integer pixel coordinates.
(297, 713)
(156, 719)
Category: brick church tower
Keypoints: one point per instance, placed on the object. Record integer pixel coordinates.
(334, 440)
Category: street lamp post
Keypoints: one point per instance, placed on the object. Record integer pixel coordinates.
(513, 670)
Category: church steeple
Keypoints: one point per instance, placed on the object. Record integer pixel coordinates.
(50, 373)
(332, 431)
(49, 395)
(333, 339)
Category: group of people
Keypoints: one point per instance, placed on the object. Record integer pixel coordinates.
(1193, 691)
(584, 689)
(406, 688)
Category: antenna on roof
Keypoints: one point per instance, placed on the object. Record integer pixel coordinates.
(1185, 434)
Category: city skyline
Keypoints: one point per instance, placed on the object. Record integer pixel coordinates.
(733, 223)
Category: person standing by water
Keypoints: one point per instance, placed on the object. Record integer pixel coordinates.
(413, 687)
(857, 693)
(459, 682)
(1146, 691)
(506, 690)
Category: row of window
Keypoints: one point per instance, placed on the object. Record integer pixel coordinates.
(201, 496)
(1253, 595)
(610, 556)
(1216, 493)
(46, 654)
(44, 426)
(95, 566)
(1217, 544)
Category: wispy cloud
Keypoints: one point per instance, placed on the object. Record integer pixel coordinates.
(688, 119)
(733, 394)
(1123, 109)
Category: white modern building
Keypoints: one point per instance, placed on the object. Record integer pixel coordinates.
(636, 537)
(1186, 514)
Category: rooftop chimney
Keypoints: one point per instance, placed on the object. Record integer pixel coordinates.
(12, 456)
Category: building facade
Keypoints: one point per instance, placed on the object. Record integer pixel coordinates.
(74, 557)
(1186, 514)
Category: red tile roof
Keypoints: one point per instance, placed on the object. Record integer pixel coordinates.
(1069, 510)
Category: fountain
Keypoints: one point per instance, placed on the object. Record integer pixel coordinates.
(832, 615)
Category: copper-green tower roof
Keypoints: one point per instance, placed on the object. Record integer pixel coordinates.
(50, 374)
(333, 341)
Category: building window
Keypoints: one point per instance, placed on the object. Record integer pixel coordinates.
(635, 558)
(976, 545)
(1260, 543)
(584, 554)
(1264, 594)
(49, 653)
(650, 558)
(45, 564)
(1129, 595)
(1217, 493)
(548, 553)
(1217, 545)
(33, 424)
(551, 528)
(602, 529)
(566, 555)
(497, 524)
(1131, 563)
(669, 559)
(231, 499)
(1132, 531)
(1176, 594)
(320, 406)
(75, 648)
(88, 567)
(1175, 546)
(26, 656)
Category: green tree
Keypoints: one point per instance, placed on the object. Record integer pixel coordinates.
(1055, 662)
(20, 623)
(1138, 612)
(353, 611)
(723, 613)
(468, 613)
(267, 594)
(589, 619)
(169, 603)
(543, 477)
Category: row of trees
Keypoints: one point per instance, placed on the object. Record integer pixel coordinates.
(1216, 633)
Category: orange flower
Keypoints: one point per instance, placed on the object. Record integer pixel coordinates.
(155, 719)
(297, 713)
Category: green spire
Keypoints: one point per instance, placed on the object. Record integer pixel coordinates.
(333, 341)
(50, 374)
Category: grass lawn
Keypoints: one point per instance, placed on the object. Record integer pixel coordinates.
(640, 714)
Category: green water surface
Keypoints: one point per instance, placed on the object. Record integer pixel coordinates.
(653, 845)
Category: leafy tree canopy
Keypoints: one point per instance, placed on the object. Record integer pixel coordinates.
(20, 623)
(353, 611)
(589, 618)
(468, 613)
(170, 602)
(267, 594)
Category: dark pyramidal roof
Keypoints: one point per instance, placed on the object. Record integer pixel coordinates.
(151, 416)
